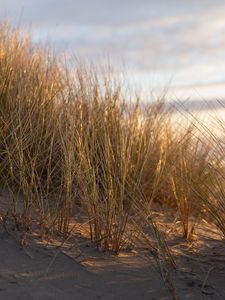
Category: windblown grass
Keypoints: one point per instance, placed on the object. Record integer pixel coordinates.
(72, 144)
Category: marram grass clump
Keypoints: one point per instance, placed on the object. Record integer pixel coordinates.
(72, 144)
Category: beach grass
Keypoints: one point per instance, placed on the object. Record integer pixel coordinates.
(74, 144)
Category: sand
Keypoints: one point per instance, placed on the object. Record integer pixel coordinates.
(76, 270)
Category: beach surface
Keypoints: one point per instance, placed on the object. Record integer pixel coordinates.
(74, 269)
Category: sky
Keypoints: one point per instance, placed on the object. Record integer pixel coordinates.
(179, 44)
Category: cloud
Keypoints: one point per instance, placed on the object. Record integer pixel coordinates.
(103, 12)
(183, 39)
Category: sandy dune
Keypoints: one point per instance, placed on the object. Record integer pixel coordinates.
(36, 272)
(78, 271)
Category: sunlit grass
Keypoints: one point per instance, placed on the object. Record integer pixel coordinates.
(72, 144)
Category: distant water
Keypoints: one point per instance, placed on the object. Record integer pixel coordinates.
(207, 121)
